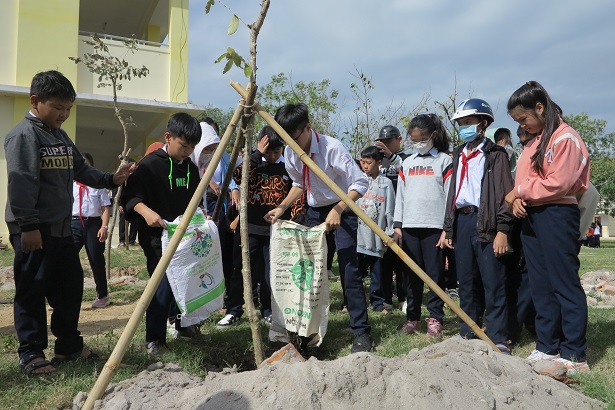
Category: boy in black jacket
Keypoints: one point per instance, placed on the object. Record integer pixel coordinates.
(477, 222)
(42, 163)
(268, 185)
(160, 190)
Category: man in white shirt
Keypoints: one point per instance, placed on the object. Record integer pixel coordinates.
(325, 206)
(89, 227)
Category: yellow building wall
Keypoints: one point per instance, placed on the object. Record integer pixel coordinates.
(47, 34)
(8, 34)
(6, 123)
(178, 44)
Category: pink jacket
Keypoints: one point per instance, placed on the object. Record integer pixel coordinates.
(565, 167)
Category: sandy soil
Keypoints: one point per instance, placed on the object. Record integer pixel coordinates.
(453, 374)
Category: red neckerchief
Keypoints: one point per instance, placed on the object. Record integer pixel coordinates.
(306, 172)
(82, 188)
(464, 170)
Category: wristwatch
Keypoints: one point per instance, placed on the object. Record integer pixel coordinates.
(106, 227)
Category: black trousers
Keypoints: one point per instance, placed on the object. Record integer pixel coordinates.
(54, 273)
(482, 277)
(85, 233)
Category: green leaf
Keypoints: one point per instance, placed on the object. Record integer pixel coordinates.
(233, 25)
(221, 58)
(247, 70)
(237, 59)
(208, 6)
(228, 66)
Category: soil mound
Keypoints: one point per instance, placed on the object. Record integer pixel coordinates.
(453, 374)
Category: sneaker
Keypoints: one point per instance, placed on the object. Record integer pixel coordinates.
(503, 348)
(381, 309)
(573, 368)
(228, 320)
(362, 343)
(267, 320)
(192, 333)
(434, 327)
(155, 348)
(330, 274)
(410, 327)
(388, 306)
(453, 294)
(537, 356)
(101, 303)
(121, 245)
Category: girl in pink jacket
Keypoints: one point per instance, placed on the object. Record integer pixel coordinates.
(551, 172)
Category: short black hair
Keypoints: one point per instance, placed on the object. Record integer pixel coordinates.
(275, 141)
(185, 126)
(52, 84)
(502, 133)
(292, 117)
(213, 124)
(372, 152)
(89, 157)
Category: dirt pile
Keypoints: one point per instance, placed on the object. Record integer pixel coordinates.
(599, 287)
(453, 374)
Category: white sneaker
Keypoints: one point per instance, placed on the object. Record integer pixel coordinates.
(574, 368)
(228, 320)
(537, 356)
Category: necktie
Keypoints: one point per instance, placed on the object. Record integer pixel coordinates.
(464, 170)
(82, 188)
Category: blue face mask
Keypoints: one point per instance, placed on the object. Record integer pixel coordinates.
(468, 133)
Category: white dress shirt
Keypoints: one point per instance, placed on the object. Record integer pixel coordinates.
(335, 160)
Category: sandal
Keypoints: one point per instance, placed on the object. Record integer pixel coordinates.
(29, 366)
(86, 354)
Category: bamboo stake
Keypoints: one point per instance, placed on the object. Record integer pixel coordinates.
(368, 221)
(112, 365)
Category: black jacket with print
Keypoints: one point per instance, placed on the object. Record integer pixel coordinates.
(41, 165)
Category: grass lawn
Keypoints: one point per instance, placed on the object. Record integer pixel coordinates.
(234, 346)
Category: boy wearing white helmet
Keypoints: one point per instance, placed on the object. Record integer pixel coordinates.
(477, 221)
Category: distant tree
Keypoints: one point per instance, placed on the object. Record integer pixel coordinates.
(601, 149)
(317, 95)
(112, 71)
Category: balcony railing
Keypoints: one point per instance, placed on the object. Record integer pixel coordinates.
(120, 38)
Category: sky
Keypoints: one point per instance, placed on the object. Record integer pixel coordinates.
(483, 48)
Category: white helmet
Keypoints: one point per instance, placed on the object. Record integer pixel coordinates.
(474, 107)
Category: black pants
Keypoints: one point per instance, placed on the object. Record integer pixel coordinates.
(550, 244)
(163, 305)
(132, 230)
(55, 273)
(476, 265)
(420, 245)
(85, 233)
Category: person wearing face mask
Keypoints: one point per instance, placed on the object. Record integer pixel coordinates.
(418, 220)
(478, 220)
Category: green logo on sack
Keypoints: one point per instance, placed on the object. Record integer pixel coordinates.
(303, 273)
(202, 244)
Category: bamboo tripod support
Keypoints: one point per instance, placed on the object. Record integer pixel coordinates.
(368, 221)
(112, 364)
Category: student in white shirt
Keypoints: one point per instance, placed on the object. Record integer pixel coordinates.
(325, 206)
(89, 226)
